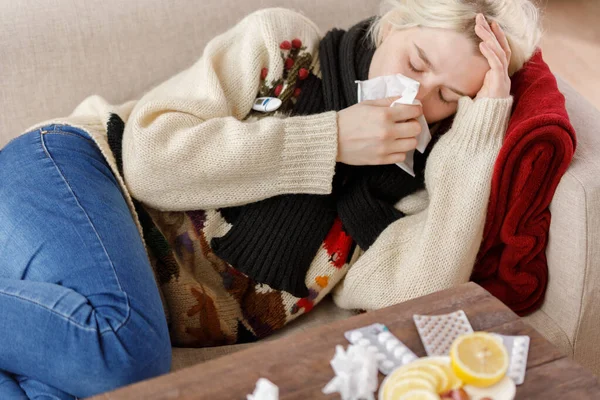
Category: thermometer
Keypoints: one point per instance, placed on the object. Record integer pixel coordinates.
(266, 104)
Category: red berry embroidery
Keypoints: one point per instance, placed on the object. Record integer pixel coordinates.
(285, 45)
(263, 73)
(297, 92)
(303, 74)
(278, 90)
(296, 43)
(289, 63)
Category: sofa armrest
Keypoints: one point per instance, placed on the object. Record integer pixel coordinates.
(572, 299)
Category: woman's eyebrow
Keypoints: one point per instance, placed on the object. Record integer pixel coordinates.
(428, 63)
(424, 57)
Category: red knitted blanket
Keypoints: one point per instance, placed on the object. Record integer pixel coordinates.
(538, 148)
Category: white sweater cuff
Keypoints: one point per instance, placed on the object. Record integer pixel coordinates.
(481, 123)
(309, 154)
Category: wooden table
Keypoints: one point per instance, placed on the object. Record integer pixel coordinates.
(299, 364)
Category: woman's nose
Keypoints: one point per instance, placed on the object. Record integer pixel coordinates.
(425, 89)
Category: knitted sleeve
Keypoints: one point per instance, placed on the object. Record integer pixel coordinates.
(435, 248)
(186, 146)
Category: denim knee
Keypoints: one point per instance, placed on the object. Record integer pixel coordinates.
(141, 364)
(159, 364)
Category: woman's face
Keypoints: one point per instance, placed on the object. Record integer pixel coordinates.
(443, 61)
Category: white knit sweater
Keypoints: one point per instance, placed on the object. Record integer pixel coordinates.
(435, 245)
(186, 147)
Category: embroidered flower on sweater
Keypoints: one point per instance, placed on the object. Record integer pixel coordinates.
(287, 87)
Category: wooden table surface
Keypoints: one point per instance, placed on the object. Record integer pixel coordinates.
(299, 363)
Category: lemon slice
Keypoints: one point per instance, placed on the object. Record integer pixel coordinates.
(479, 359)
(415, 373)
(401, 387)
(453, 381)
(432, 369)
(419, 395)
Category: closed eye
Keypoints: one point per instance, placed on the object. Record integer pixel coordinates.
(413, 69)
(440, 95)
(442, 99)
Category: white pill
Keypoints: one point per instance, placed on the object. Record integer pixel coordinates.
(407, 358)
(390, 344)
(372, 349)
(380, 356)
(399, 352)
(355, 336)
(364, 342)
(383, 336)
(387, 364)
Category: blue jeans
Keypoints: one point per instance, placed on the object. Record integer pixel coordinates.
(80, 312)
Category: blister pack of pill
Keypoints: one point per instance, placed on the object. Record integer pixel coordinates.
(438, 332)
(518, 351)
(390, 352)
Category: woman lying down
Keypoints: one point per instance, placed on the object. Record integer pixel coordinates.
(235, 196)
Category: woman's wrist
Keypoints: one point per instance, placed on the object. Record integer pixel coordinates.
(481, 122)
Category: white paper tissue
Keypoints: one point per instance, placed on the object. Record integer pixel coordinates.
(265, 390)
(397, 85)
(355, 373)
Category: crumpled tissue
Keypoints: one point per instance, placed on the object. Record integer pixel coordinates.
(397, 85)
(355, 373)
(265, 390)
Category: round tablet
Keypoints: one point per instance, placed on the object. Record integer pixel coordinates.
(355, 336)
(399, 352)
(407, 358)
(372, 349)
(390, 344)
(519, 342)
(387, 364)
(364, 342)
(517, 358)
(384, 336)
(380, 356)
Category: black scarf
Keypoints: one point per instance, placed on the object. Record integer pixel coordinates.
(274, 241)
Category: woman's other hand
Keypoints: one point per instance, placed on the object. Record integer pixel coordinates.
(496, 50)
(373, 133)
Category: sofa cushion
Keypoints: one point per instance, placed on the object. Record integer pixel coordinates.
(56, 53)
(550, 330)
(573, 297)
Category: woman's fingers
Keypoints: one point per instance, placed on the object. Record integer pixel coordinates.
(491, 42)
(402, 145)
(483, 22)
(394, 158)
(496, 50)
(408, 129)
(502, 40)
(405, 112)
(485, 32)
(492, 57)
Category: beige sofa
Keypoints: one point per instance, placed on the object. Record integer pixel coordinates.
(55, 53)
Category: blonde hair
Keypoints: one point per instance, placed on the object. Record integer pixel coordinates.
(519, 19)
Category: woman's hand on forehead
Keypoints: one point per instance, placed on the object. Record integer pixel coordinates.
(496, 50)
